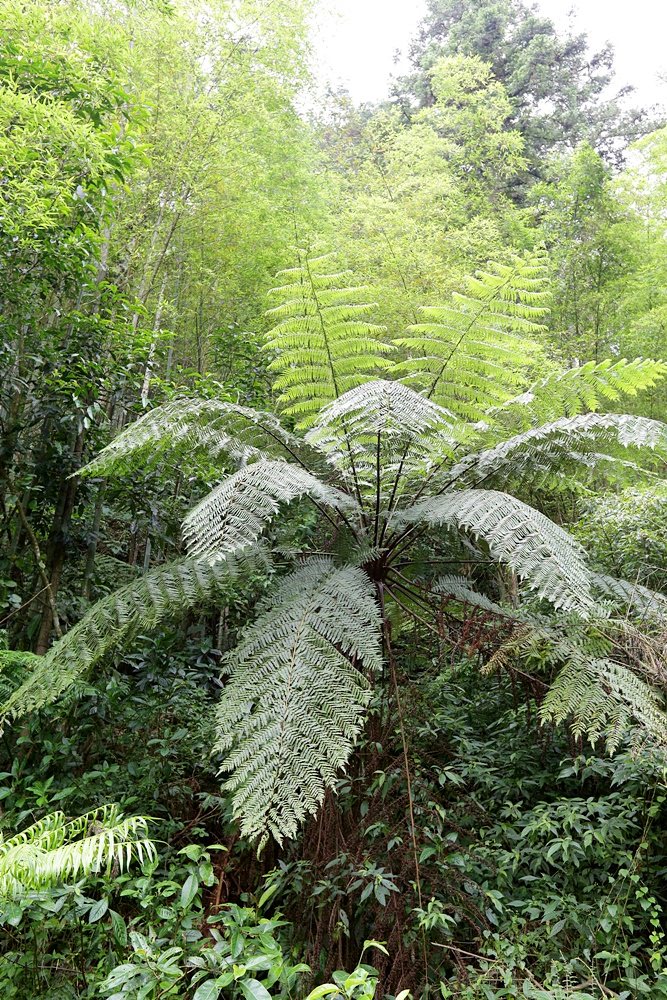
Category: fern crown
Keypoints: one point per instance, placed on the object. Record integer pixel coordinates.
(432, 440)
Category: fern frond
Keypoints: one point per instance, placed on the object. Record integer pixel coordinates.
(160, 595)
(600, 698)
(237, 511)
(473, 354)
(632, 598)
(561, 444)
(541, 553)
(56, 849)
(379, 427)
(458, 588)
(15, 667)
(582, 389)
(324, 342)
(294, 706)
(185, 426)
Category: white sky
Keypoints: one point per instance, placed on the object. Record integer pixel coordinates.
(357, 39)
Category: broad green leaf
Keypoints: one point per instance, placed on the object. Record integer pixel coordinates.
(253, 990)
(208, 991)
(97, 911)
(189, 890)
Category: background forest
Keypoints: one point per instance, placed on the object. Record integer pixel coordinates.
(332, 510)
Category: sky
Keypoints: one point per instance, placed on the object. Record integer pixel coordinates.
(357, 39)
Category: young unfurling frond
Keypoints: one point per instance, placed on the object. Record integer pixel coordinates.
(473, 354)
(323, 340)
(56, 849)
(541, 553)
(237, 511)
(184, 426)
(162, 594)
(289, 716)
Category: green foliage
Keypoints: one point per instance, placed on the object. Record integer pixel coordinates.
(55, 849)
(399, 699)
(387, 472)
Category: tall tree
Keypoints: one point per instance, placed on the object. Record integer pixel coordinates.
(557, 86)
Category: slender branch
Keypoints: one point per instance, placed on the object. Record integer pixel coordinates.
(41, 567)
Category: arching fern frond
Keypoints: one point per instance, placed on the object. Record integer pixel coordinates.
(374, 430)
(160, 595)
(236, 512)
(323, 339)
(632, 598)
(600, 699)
(474, 353)
(56, 849)
(290, 714)
(583, 388)
(206, 426)
(561, 444)
(546, 557)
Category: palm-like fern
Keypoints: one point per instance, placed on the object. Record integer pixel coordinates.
(55, 849)
(384, 461)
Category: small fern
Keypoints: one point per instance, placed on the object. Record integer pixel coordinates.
(294, 705)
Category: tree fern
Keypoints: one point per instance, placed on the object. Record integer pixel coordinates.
(473, 354)
(294, 705)
(323, 340)
(160, 595)
(550, 560)
(56, 849)
(385, 463)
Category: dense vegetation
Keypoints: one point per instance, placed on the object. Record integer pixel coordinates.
(333, 523)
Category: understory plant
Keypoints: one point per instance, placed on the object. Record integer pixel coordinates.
(414, 451)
